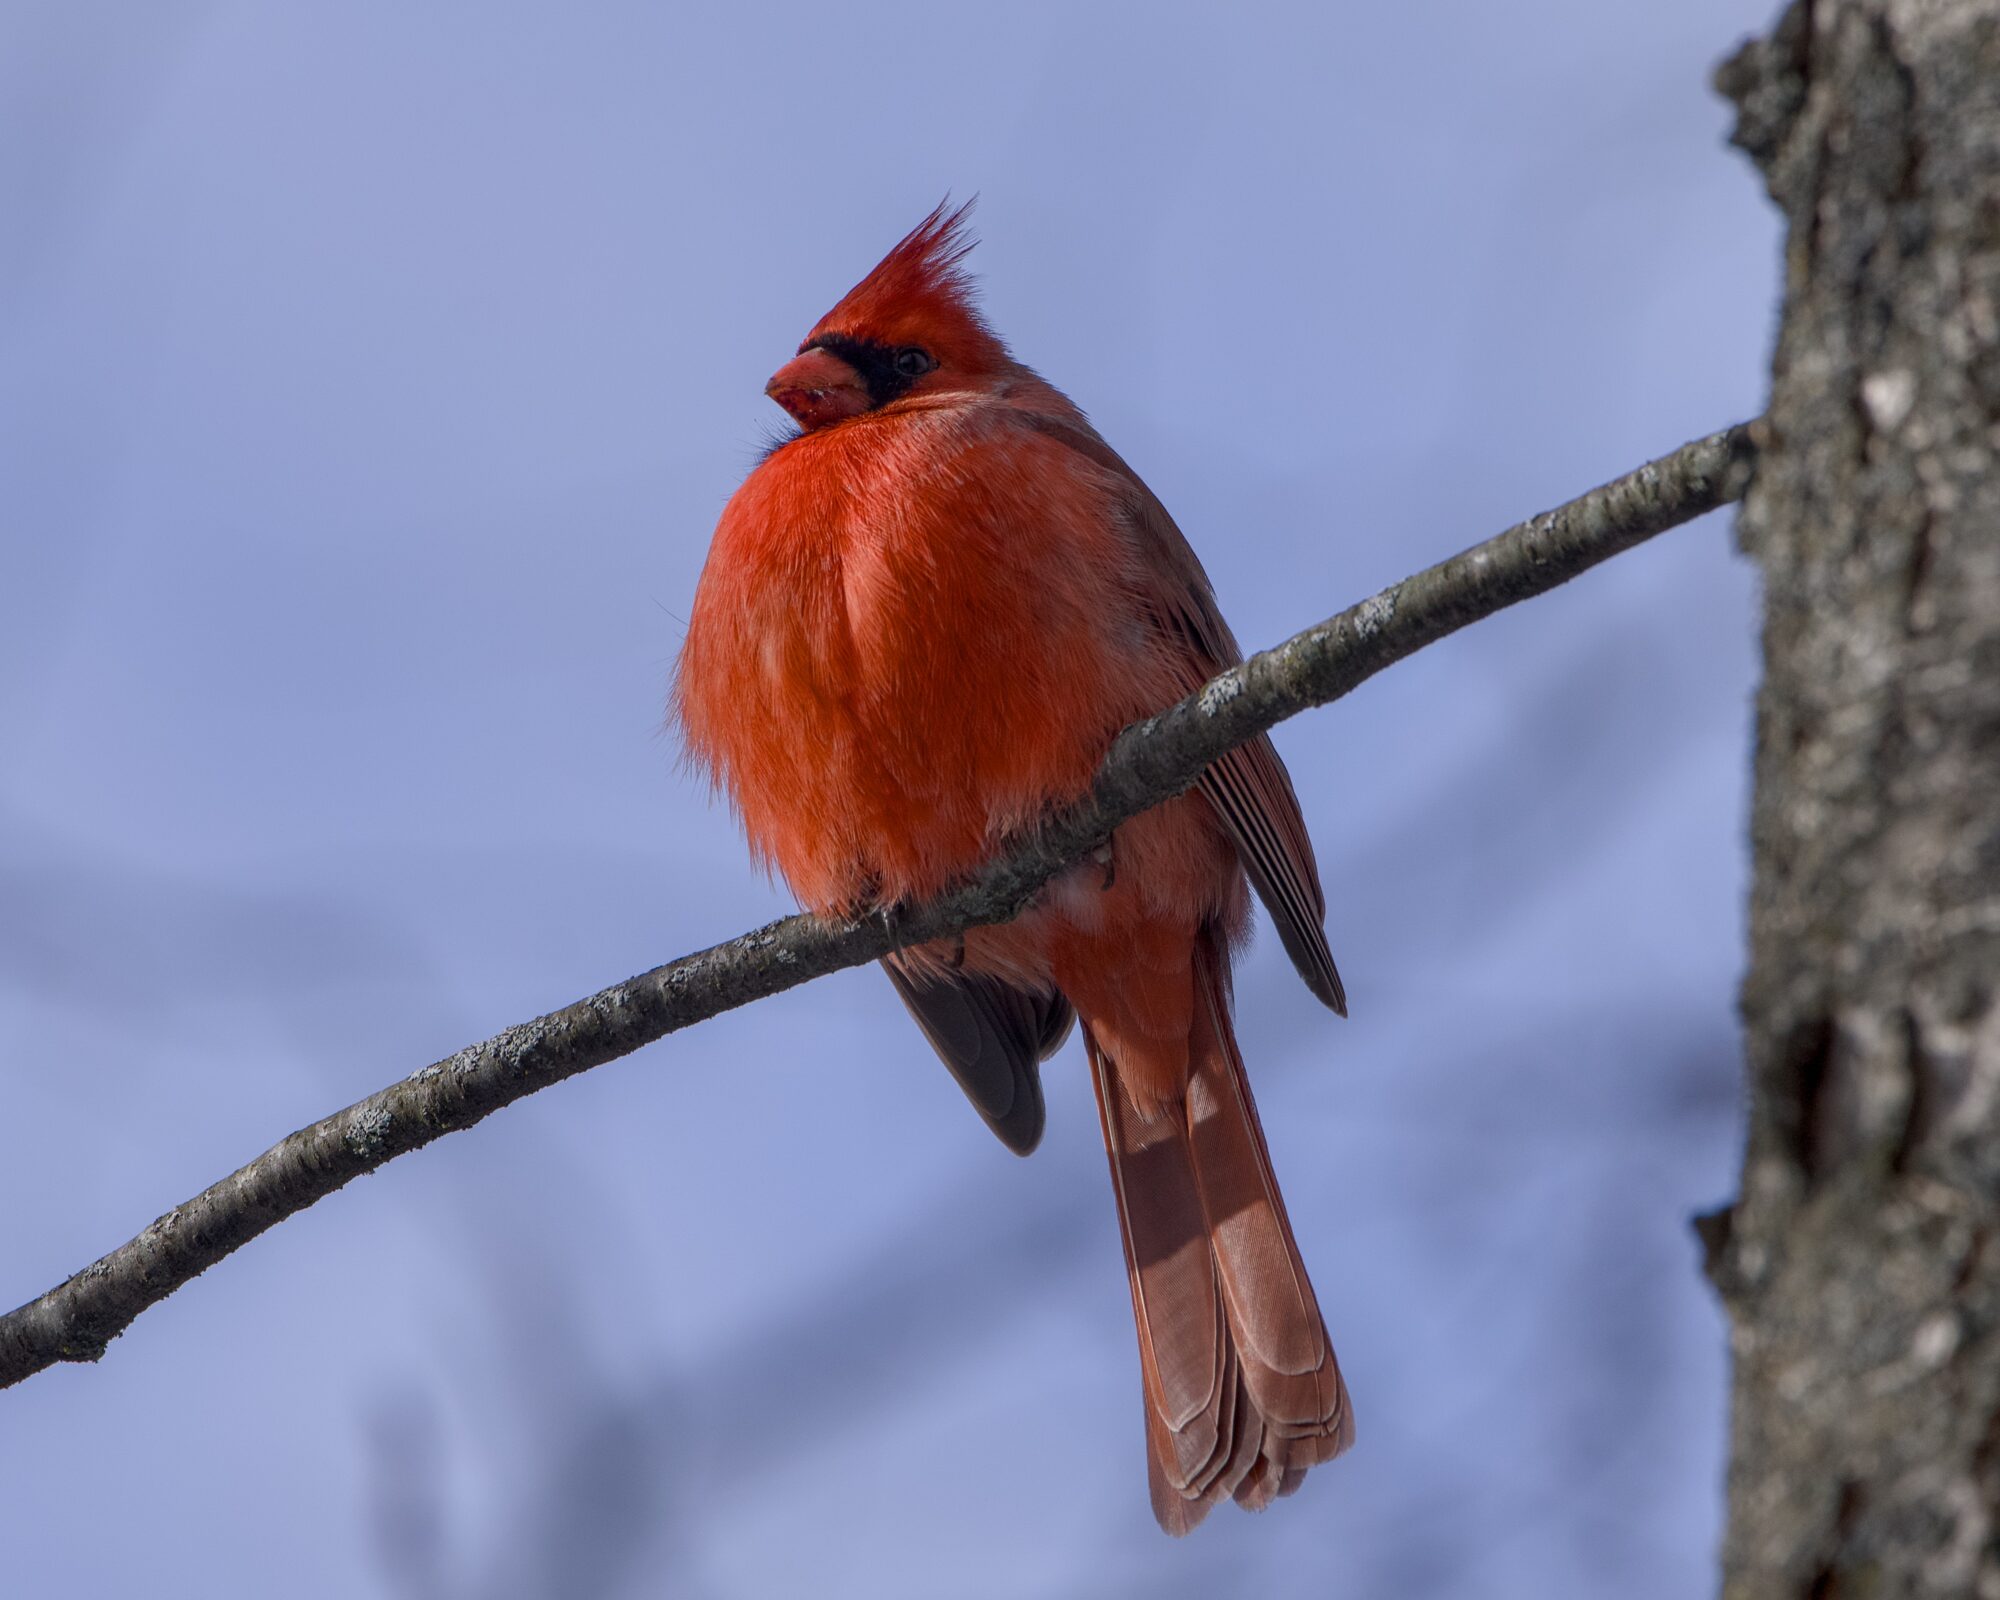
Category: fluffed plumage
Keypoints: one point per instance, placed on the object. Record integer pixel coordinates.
(922, 621)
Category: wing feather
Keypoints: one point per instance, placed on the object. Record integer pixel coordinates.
(1249, 788)
(993, 1038)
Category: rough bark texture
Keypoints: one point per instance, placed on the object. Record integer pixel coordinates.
(1861, 1267)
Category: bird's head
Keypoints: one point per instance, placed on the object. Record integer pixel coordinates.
(908, 329)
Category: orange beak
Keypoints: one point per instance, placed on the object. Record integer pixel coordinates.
(817, 387)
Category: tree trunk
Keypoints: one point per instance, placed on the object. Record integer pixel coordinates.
(1861, 1265)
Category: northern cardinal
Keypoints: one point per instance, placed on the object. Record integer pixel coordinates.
(923, 619)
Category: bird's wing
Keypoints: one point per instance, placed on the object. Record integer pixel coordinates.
(993, 1036)
(1249, 788)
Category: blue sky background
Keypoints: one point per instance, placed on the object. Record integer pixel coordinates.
(370, 379)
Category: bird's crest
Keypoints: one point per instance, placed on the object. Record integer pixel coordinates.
(920, 293)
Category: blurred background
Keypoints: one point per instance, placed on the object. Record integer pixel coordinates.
(370, 379)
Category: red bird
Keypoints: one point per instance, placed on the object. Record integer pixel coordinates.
(922, 621)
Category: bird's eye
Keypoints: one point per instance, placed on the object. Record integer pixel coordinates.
(914, 363)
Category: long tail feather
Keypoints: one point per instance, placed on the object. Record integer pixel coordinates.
(1242, 1390)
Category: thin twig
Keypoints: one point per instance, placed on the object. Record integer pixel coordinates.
(1148, 762)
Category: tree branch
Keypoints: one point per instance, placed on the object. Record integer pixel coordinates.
(1149, 762)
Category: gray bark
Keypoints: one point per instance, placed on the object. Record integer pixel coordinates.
(1861, 1266)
